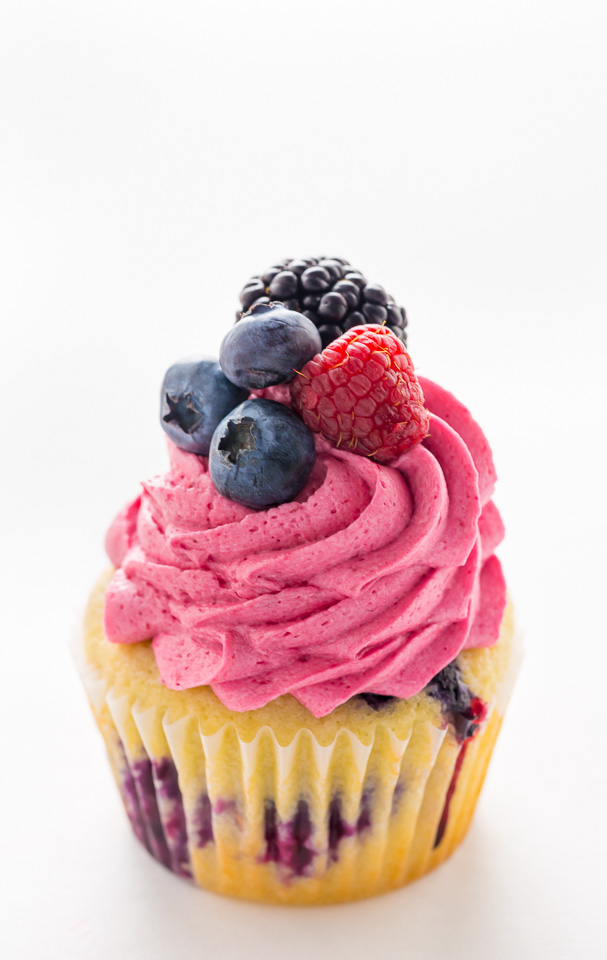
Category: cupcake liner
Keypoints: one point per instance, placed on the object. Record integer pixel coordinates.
(295, 823)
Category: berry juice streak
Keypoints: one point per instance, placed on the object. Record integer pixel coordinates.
(153, 804)
(172, 814)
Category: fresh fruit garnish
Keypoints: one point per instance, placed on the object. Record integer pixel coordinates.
(267, 346)
(330, 292)
(195, 396)
(361, 393)
(261, 454)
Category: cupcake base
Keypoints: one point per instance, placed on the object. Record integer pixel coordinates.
(275, 805)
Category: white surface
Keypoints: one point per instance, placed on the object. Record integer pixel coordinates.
(153, 156)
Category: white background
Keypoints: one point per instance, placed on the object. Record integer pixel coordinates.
(153, 156)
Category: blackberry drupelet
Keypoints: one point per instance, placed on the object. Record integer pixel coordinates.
(329, 291)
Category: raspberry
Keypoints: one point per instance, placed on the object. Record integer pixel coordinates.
(361, 393)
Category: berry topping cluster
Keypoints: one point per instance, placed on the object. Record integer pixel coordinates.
(360, 392)
(267, 346)
(327, 290)
(261, 454)
(195, 396)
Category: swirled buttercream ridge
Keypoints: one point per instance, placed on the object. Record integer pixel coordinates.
(372, 580)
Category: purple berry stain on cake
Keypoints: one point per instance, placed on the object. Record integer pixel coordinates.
(173, 814)
(399, 790)
(148, 805)
(301, 830)
(453, 694)
(131, 800)
(458, 703)
(363, 822)
(465, 713)
(203, 821)
(153, 803)
(377, 700)
(461, 709)
(338, 827)
(270, 830)
(288, 843)
(225, 806)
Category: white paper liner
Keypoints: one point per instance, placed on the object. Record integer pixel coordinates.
(299, 823)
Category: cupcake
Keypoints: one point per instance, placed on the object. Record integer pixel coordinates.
(301, 657)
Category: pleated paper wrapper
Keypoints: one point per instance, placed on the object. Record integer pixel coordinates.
(295, 823)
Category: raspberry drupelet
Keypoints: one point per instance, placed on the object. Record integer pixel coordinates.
(361, 394)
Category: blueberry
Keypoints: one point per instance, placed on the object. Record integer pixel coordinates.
(261, 454)
(455, 698)
(195, 396)
(267, 346)
(313, 317)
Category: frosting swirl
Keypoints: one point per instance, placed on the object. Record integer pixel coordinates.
(372, 580)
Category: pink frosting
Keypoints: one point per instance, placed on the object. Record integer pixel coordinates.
(371, 581)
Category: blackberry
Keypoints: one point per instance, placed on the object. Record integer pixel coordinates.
(329, 291)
